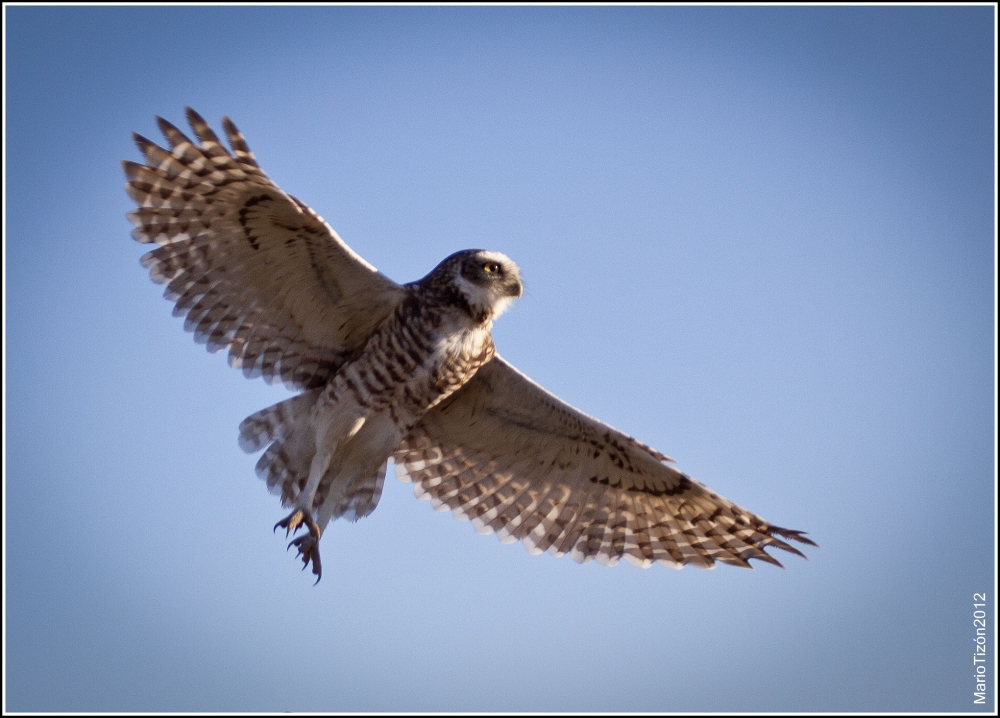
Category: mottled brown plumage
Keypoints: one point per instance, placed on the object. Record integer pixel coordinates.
(407, 373)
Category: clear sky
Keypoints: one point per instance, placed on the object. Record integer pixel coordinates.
(758, 239)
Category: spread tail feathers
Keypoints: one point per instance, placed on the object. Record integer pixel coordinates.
(287, 427)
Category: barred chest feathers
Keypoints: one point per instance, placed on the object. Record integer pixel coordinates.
(436, 338)
(420, 356)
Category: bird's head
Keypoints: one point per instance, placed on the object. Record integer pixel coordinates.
(488, 281)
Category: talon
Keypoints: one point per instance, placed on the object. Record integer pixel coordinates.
(292, 522)
(308, 550)
(307, 544)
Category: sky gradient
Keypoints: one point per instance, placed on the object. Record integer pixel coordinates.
(758, 239)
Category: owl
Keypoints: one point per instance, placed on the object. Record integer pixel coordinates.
(407, 373)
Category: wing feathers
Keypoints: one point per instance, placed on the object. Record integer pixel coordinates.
(520, 463)
(250, 268)
(236, 141)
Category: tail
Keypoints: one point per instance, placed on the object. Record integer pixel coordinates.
(288, 428)
(357, 501)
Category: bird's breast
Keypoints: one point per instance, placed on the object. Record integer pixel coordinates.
(409, 367)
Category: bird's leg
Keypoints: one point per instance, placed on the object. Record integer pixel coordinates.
(308, 543)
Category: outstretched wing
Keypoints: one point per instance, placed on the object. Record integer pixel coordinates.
(252, 269)
(516, 460)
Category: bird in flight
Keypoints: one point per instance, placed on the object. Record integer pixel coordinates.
(403, 372)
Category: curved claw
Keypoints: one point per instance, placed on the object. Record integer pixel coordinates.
(308, 550)
(307, 544)
(292, 522)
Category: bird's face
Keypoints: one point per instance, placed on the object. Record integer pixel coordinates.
(488, 280)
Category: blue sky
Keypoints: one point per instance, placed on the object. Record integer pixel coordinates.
(758, 239)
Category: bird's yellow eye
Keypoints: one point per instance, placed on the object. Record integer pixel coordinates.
(491, 268)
